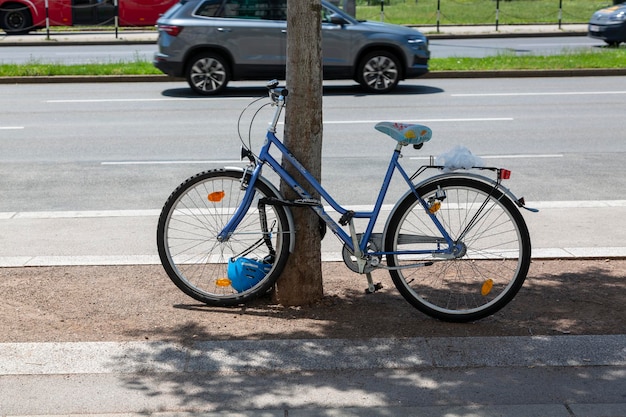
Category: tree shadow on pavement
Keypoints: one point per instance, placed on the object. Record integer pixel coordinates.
(139, 303)
(559, 298)
(127, 303)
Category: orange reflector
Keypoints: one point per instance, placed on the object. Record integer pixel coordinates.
(216, 196)
(435, 207)
(223, 282)
(487, 286)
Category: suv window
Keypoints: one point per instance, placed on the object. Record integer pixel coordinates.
(326, 14)
(208, 8)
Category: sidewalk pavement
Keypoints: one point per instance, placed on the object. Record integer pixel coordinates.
(568, 376)
(127, 237)
(550, 376)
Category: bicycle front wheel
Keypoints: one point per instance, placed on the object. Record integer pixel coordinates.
(491, 253)
(216, 272)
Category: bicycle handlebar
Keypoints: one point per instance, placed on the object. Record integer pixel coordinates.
(274, 93)
(278, 99)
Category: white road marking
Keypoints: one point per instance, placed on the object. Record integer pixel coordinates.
(478, 119)
(562, 93)
(138, 100)
(234, 161)
(80, 214)
(172, 162)
(520, 156)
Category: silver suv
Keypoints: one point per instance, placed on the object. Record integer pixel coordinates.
(211, 42)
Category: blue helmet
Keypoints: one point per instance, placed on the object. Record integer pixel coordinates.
(245, 273)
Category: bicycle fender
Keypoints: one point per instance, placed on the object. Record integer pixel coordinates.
(508, 193)
(473, 176)
(292, 240)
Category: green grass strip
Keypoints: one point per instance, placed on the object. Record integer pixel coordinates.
(38, 69)
(587, 59)
(590, 59)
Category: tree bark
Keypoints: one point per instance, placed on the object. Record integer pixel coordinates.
(301, 281)
(349, 6)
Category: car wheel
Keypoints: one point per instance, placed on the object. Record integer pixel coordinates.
(612, 44)
(15, 19)
(208, 73)
(379, 72)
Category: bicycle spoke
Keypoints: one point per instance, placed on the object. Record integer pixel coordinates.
(485, 267)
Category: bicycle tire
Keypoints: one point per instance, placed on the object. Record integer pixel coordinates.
(195, 260)
(489, 270)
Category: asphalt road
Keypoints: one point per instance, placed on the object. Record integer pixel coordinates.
(126, 146)
(82, 157)
(440, 48)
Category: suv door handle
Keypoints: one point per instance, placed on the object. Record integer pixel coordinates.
(224, 30)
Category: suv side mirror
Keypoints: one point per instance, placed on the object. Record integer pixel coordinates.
(337, 19)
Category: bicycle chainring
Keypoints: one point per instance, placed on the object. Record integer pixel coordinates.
(350, 260)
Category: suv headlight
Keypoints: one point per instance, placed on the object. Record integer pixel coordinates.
(418, 43)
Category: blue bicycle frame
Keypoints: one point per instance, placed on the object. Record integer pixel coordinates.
(265, 158)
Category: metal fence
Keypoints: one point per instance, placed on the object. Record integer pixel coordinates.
(477, 12)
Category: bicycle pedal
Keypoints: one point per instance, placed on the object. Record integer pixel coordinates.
(374, 288)
(346, 217)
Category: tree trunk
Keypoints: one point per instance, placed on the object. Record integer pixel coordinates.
(301, 281)
(349, 6)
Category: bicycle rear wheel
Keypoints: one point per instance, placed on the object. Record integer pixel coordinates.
(217, 272)
(492, 256)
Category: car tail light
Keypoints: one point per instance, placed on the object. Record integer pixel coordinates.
(171, 30)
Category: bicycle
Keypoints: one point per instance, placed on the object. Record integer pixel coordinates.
(455, 244)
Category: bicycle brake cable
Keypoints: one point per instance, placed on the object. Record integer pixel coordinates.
(250, 127)
(249, 145)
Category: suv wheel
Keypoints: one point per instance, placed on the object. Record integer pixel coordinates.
(378, 72)
(207, 73)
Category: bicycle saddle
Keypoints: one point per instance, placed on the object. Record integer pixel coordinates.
(405, 133)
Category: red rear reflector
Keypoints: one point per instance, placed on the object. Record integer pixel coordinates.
(504, 174)
(171, 30)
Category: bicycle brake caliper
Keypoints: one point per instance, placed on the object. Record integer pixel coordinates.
(244, 177)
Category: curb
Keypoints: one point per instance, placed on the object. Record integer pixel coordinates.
(583, 72)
